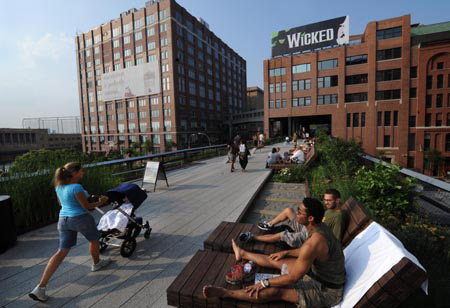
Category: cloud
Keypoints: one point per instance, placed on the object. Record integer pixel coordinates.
(47, 49)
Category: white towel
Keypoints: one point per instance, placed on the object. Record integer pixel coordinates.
(114, 219)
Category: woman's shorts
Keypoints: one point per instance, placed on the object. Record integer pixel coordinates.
(232, 157)
(68, 228)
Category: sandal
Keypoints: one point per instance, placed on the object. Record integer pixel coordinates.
(237, 275)
(246, 237)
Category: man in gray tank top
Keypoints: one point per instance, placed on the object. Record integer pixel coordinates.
(316, 270)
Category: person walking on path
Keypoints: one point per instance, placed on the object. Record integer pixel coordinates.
(232, 153)
(73, 218)
(243, 155)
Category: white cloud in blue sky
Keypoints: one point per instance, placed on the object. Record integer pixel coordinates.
(38, 75)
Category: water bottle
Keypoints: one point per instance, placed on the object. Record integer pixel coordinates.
(248, 267)
(284, 269)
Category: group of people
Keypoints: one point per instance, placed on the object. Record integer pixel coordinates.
(315, 263)
(297, 156)
(238, 148)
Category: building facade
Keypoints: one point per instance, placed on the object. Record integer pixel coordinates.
(389, 88)
(17, 141)
(251, 120)
(201, 80)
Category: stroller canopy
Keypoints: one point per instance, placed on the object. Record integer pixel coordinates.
(133, 192)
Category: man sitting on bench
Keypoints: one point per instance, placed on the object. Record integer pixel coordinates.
(316, 270)
(294, 234)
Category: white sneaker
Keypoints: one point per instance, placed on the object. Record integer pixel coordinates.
(38, 294)
(101, 264)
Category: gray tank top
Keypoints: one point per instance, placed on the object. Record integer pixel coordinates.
(331, 271)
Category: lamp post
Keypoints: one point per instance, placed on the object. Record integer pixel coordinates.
(209, 141)
(195, 134)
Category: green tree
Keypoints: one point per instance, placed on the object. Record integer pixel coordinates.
(148, 147)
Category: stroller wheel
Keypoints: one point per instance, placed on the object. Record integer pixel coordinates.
(127, 248)
(102, 244)
(147, 233)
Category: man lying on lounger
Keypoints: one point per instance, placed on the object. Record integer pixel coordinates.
(316, 270)
(294, 234)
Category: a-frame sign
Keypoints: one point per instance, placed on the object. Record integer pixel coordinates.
(154, 171)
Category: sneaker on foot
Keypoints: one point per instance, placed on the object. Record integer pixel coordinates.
(246, 237)
(101, 264)
(38, 294)
(264, 226)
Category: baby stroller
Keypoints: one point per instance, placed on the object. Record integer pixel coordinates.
(121, 222)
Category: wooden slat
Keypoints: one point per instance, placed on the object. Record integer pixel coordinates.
(207, 244)
(218, 243)
(234, 234)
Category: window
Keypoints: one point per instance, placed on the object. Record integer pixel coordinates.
(155, 113)
(440, 65)
(395, 118)
(426, 142)
(164, 55)
(356, 97)
(127, 52)
(126, 28)
(141, 102)
(327, 99)
(428, 101)
(387, 141)
(151, 45)
(277, 87)
(387, 94)
(151, 31)
(164, 41)
(126, 39)
(438, 119)
(271, 88)
(363, 119)
(277, 72)
(440, 81)
(152, 58)
(413, 72)
(429, 82)
(156, 138)
(327, 64)
(412, 92)
(353, 60)
(356, 120)
(115, 43)
(411, 142)
(301, 68)
(283, 87)
(303, 84)
(379, 116)
(116, 32)
(301, 101)
(327, 82)
(394, 74)
(167, 125)
(356, 79)
(448, 119)
(139, 61)
(128, 64)
(162, 27)
(389, 33)
(150, 19)
(130, 115)
(428, 119)
(142, 114)
(447, 143)
(138, 36)
(412, 121)
(387, 118)
(388, 54)
(116, 55)
(349, 120)
(439, 99)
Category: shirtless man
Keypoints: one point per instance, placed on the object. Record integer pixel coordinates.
(316, 270)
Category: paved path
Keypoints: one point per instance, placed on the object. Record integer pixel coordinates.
(199, 198)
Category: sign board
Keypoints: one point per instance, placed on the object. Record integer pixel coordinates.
(134, 81)
(154, 171)
(321, 34)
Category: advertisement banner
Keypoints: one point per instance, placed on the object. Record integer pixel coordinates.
(134, 81)
(321, 34)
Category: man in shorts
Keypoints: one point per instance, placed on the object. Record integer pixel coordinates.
(315, 271)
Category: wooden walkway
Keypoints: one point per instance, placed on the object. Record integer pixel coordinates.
(182, 216)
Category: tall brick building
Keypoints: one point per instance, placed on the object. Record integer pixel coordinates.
(197, 81)
(388, 88)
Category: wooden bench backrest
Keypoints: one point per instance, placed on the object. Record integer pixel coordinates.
(358, 220)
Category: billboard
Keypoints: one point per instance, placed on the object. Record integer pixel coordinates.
(133, 81)
(321, 34)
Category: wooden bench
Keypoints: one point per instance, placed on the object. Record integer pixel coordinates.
(359, 219)
(208, 268)
(220, 239)
(310, 157)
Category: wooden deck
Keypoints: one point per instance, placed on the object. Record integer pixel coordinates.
(182, 216)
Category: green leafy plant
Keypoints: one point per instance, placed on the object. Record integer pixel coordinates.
(295, 174)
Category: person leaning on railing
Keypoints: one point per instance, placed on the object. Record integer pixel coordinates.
(73, 218)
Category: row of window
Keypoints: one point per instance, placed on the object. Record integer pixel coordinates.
(439, 81)
(439, 100)
(356, 117)
(387, 118)
(304, 101)
(16, 138)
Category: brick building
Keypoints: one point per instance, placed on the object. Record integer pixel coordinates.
(388, 88)
(201, 80)
(250, 120)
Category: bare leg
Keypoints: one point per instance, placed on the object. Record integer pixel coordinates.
(95, 251)
(260, 259)
(53, 265)
(268, 238)
(287, 213)
(266, 295)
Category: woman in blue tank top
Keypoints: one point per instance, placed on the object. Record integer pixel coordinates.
(73, 218)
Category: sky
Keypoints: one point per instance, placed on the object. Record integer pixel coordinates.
(38, 76)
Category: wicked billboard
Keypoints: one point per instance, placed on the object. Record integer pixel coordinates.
(321, 34)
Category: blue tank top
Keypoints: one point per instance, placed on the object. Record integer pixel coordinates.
(67, 197)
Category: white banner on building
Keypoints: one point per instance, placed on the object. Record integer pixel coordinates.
(134, 81)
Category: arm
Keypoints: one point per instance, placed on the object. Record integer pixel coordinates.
(81, 197)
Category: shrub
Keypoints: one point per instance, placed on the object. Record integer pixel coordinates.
(295, 174)
(385, 191)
